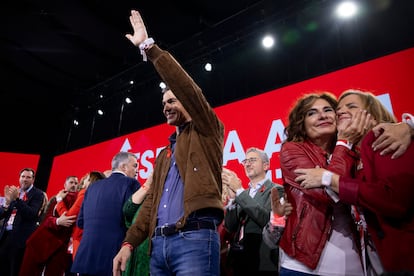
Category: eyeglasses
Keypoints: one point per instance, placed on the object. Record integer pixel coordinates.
(250, 160)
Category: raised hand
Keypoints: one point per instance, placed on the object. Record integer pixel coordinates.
(140, 31)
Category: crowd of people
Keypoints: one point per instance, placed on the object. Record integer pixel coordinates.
(346, 206)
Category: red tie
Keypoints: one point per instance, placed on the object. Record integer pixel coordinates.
(24, 196)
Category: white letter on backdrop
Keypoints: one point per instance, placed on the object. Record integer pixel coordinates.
(233, 140)
(147, 164)
(276, 130)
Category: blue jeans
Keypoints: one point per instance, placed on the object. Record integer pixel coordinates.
(190, 253)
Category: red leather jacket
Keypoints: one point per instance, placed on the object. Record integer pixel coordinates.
(387, 196)
(309, 225)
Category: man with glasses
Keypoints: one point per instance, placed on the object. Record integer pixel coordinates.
(248, 213)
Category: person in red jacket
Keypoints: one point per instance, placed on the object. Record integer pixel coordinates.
(47, 248)
(320, 237)
(383, 188)
(62, 208)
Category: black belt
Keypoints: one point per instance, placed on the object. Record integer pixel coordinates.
(207, 212)
(189, 226)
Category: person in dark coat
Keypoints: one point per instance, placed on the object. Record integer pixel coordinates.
(20, 213)
(101, 217)
(247, 214)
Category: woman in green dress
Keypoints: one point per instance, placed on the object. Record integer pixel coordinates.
(138, 264)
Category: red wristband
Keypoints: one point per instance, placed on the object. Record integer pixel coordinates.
(277, 220)
(128, 245)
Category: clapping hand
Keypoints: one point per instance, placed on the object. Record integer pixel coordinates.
(232, 181)
(280, 206)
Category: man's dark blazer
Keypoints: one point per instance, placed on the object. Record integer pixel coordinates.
(103, 224)
(25, 221)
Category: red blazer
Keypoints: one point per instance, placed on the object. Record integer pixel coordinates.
(74, 210)
(385, 189)
(48, 237)
(309, 225)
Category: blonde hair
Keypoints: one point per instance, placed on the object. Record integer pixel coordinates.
(372, 105)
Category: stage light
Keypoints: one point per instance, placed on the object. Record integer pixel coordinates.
(208, 67)
(128, 100)
(100, 112)
(75, 122)
(346, 9)
(162, 85)
(268, 41)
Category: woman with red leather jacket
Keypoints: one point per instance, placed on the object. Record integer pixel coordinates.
(382, 191)
(320, 236)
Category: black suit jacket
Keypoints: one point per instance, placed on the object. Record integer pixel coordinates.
(25, 221)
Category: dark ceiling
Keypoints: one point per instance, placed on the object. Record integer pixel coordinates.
(57, 58)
